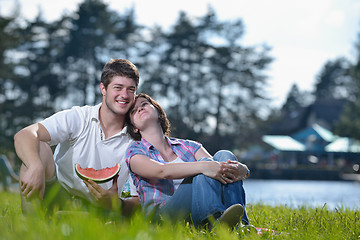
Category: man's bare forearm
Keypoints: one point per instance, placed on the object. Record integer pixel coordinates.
(130, 205)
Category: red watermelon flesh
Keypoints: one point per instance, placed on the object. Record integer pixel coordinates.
(100, 175)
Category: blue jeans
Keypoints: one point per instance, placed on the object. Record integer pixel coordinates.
(200, 196)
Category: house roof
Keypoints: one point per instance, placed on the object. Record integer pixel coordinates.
(344, 144)
(324, 110)
(317, 130)
(283, 143)
(328, 110)
(290, 123)
(324, 133)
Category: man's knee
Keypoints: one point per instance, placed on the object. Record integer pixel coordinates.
(30, 206)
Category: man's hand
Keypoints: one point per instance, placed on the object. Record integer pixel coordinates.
(221, 171)
(235, 170)
(32, 181)
(108, 199)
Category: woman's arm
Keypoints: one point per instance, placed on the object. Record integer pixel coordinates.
(202, 153)
(148, 168)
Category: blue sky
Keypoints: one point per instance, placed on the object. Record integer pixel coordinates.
(303, 34)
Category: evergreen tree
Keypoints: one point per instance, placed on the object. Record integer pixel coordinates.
(96, 35)
(175, 76)
(212, 84)
(349, 123)
(295, 100)
(37, 83)
(334, 81)
(7, 74)
(235, 82)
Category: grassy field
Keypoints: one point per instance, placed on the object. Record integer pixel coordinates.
(286, 223)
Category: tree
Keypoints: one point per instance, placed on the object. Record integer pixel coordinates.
(349, 123)
(295, 100)
(177, 73)
(210, 85)
(31, 84)
(236, 83)
(96, 34)
(45, 67)
(37, 84)
(213, 85)
(334, 81)
(7, 99)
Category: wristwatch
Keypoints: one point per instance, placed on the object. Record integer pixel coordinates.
(247, 174)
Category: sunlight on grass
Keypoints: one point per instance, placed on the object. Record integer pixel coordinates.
(279, 222)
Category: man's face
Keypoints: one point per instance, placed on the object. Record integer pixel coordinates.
(119, 95)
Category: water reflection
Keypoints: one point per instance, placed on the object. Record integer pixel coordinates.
(296, 193)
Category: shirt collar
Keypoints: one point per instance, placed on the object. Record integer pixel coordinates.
(171, 141)
(95, 112)
(95, 116)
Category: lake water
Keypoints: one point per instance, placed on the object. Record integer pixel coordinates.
(296, 193)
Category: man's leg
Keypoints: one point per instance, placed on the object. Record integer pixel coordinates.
(47, 159)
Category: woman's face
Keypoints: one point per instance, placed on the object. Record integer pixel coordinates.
(142, 113)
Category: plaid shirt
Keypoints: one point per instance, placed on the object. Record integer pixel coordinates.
(158, 191)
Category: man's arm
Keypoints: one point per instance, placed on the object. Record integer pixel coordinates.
(27, 146)
(238, 171)
(109, 198)
(27, 143)
(130, 205)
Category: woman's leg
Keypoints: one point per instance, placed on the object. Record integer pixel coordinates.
(210, 196)
(179, 205)
(206, 198)
(234, 192)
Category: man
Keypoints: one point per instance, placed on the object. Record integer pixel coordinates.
(93, 136)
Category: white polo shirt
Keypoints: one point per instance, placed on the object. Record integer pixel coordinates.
(79, 138)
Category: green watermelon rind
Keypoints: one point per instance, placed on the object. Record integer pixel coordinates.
(97, 180)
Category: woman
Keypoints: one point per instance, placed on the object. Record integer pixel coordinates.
(179, 178)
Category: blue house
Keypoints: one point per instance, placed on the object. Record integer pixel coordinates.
(303, 146)
(314, 144)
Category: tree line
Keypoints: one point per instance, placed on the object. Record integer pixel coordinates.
(211, 85)
(339, 79)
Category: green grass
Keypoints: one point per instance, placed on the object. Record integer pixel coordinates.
(289, 223)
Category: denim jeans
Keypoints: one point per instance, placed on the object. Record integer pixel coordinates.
(200, 196)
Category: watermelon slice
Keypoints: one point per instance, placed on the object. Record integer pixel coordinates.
(99, 176)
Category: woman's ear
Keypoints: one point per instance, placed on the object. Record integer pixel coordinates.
(136, 130)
